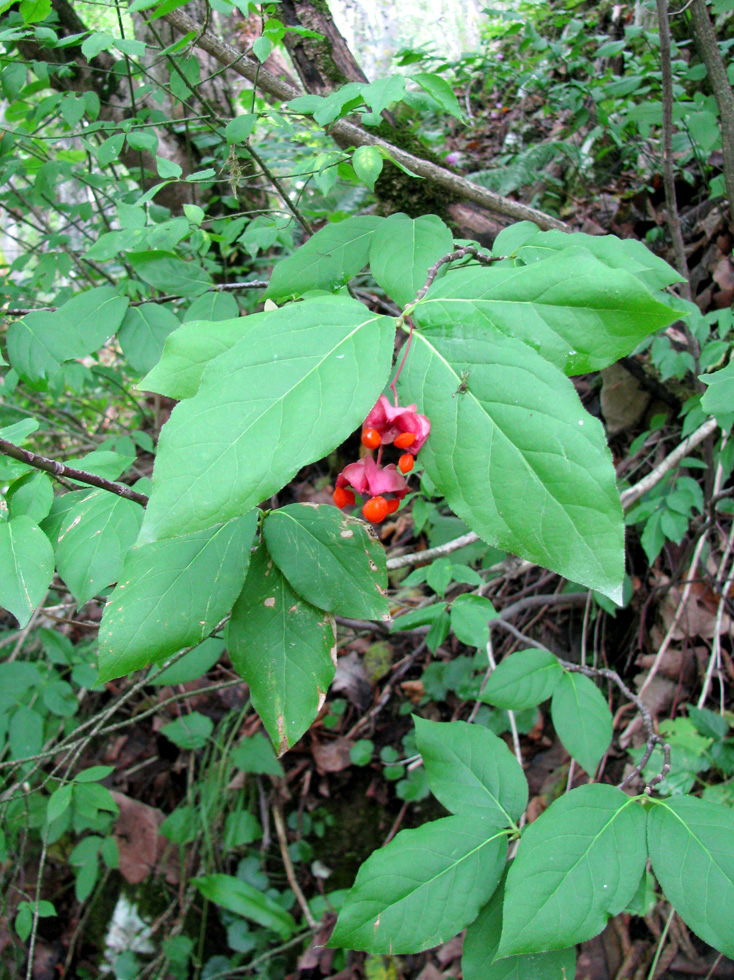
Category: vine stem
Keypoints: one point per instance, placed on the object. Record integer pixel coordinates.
(394, 381)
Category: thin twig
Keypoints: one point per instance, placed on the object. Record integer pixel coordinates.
(292, 880)
(55, 468)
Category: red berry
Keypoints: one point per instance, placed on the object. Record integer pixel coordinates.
(404, 440)
(405, 463)
(371, 438)
(375, 510)
(392, 505)
(343, 498)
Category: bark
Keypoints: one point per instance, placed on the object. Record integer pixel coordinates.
(322, 65)
(705, 38)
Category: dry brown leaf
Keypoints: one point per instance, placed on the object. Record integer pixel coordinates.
(140, 845)
(333, 756)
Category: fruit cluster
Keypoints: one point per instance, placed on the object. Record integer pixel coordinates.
(385, 425)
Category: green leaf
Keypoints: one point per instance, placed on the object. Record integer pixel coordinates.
(25, 733)
(482, 941)
(690, 844)
(93, 774)
(169, 274)
(380, 94)
(424, 887)
(192, 665)
(284, 648)
(367, 163)
(189, 349)
(244, 899)
(582, 719)
(33, 11)
(171, 594)
(95, 315)
(718, 399)
(580, 862)
(32, 495)
(523, 679)
(571, 308)
(238, 130)
(40, 342)
(190, 731)
(330, 559)
(96, 42)
(290, 391)
(110, 149)
(471, 771)
(27, 561)
(441, 91)
(255, 754)
(515, 454)
(213, 306)
(143, 334)
(628, 254)
(327, 260)
(166, 168)
(58, 802)
(404, 249)
(94, 538)
(470, 616)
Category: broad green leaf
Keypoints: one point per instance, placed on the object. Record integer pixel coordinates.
(244, 899)
(255, 754)
(718, 399)
(96, 42)
(238, 129)
(470, 616)
(290, 391)
(471, 771)
(27, 563)
(403, 250)
(40, 342)
(378, 95)
(34, 10)
(628, 254)
(524, 679)
(284, 648)
(367, 163)
(58, 802)
(166, 272)
(330, 559)
(423, 887)
(192, 665)
(440, 90)
(18, 432)
(516, 455)
(482, 941)
(95, 315)
(171, 594)
(582, 719)
(570, 308)
(25, 732)
(188, 350)
(110, 149)
(579, 863)
(327, 260)
(32, 495)
(212, 305)
(690, 844)
(94, 538)
(190, 731)
(143, 334)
